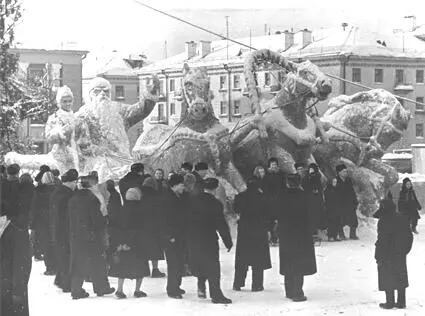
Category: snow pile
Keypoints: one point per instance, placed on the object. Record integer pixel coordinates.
(394, 156)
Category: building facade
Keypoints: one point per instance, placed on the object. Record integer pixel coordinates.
(344, 53)
(60, 67)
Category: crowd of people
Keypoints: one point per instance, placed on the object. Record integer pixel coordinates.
(85, 231)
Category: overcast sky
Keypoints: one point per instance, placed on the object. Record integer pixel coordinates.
(124, 25)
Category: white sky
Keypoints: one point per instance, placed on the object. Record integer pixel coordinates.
(125, 25)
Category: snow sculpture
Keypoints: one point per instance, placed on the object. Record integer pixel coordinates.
(60, 134)
(101, 128)
(198, 136)
(291, 120)
(360, 128)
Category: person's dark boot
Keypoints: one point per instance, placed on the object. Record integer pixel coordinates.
(221, 300)
(389, 304)
(353, 234)
(301, 298)
(157, 274)
(79, 295)
(401, 299)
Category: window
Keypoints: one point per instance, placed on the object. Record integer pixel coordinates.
(172, 108)
(236, 107)
(419, 76)
(172, 85)
(236, 82)
(161, 115)
(39, 147)
(399, 76)
(267, 79)
(357, 75)
(161, 87)
(223, 82)
(36, 71)
(419, 107)
(379, 75)
(420, 130)
(119, 93)
(223, 108)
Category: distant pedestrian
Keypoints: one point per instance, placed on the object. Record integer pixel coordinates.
(408, 204)
(333, 210)
(392, 246)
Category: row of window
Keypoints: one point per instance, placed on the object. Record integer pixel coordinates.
(236, 110)
(379, 75)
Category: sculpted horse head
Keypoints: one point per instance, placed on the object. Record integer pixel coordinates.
(197, 97)
(303, 81)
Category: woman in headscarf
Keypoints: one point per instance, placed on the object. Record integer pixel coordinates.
(408, 204)
(129, 260)
(394, 243)
(40, 219)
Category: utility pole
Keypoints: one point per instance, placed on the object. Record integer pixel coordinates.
(227, 35)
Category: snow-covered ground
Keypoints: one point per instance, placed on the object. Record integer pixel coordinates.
(346, 284)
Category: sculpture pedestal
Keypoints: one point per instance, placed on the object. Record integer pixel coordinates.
(418, 160)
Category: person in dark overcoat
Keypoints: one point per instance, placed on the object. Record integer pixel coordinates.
(259, 174)
(87, 226)
(59, 226)
(347, 202)
(205, 219)
(408, 204)
(151, 206)
(173, 227)
(129, 260)
(392, 246)
(333, 211)
(40, 220)
(313, 186)
(296, 248)
(22, 262)
(252, 248)
(133, 179)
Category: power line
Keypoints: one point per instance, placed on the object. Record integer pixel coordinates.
(253, 48)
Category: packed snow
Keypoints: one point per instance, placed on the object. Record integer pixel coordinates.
(346, 284)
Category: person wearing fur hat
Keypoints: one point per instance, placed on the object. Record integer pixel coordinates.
(130, 260)
(40, 220)
(296, 248)
(86, 230)
(347, 201)
(59, 226)
(393, 244)
(133, 179)
(173, 226)
(408, 204)
(252, 248)
(201, 169)
(205, 219)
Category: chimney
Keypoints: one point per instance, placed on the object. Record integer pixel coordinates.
(289, 39)
(190, 49)
(307, 38)
(204, 48)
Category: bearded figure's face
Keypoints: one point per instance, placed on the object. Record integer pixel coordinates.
(100, 94)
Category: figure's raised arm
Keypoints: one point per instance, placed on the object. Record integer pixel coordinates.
(134, 113)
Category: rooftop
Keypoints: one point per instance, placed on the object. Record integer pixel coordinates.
(332, 41)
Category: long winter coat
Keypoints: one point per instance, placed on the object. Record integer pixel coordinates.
(252, 248)
(316, 206)
(347, 201)
(59, 225)
(408, 204)
(86, 234)
(205, 219)
(296, 247)
(394, 243)
(150, 205)
(332, 206)
(40, 209)
(132, 263)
